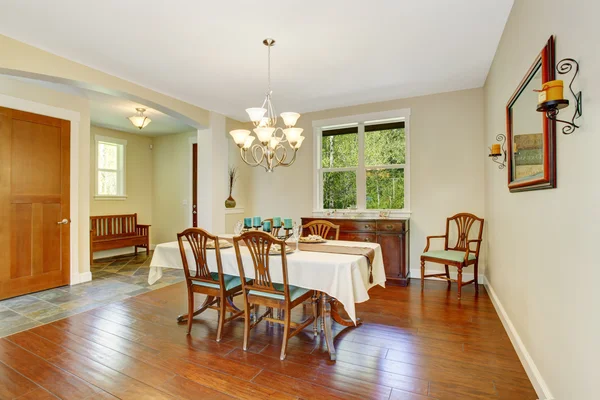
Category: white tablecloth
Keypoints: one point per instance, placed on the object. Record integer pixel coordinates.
(342, 276)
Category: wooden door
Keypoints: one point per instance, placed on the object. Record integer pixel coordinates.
(34, 202)
(195, 185)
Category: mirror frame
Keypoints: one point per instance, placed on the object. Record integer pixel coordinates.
(547, 59)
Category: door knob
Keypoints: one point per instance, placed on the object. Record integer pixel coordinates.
(63, 222)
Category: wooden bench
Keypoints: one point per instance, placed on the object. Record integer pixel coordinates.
(117, 231)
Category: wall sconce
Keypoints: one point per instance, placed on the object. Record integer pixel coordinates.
(498, 150)
(551, 99)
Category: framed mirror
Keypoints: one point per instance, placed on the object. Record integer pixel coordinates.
(531, 136)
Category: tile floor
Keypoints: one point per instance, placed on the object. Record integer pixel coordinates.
(113, 279)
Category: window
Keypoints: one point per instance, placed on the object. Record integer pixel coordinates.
(363, 165)
(110, 167)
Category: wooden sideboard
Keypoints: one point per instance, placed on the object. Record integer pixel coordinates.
(391, 234)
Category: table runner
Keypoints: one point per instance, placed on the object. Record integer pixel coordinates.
(367, 252)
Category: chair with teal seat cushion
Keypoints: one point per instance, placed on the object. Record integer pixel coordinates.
(218, 287)
(262, 291)
(460, 254)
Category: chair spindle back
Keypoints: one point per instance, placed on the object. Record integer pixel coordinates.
(259, 245)
(198, 239)
(464, 222)
(321, 227)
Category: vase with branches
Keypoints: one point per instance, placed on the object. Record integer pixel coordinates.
(232, 174)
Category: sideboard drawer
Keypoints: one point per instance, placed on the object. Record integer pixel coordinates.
(355, 226)
(391, 226)
(358, 237)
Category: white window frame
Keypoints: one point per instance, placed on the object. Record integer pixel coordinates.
(121, 168)
(361, 180)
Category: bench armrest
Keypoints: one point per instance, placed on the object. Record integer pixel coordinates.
(432, 237)
(142, 230)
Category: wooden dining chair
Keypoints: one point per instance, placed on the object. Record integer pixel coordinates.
(322, 227)
(263, 291)
(217, 286)
(459, 255)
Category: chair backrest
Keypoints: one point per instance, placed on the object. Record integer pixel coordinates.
(113, 226)
(259, 245)
(198, 239)
(322, 227)
(274, 231)
(461, 224)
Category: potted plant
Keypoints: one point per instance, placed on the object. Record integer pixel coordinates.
(233, 175)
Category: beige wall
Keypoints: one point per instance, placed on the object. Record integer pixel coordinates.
(139, 183)
(543, 259)
(172, 190)
(241, 190)
(446, 152)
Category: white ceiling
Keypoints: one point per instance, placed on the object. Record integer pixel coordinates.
(111, 112)
(329, 53)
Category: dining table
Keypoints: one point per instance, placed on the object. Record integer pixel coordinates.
(338, 277)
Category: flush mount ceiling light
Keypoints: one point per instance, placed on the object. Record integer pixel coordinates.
(269, 152)
(139, 120)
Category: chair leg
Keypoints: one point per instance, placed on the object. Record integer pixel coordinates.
(286, 331)
(190, 309)
(246, 322)
(459, 281)
(422, 275)
(315, 310)
(476, 276)
(448, 274)
(222, 310)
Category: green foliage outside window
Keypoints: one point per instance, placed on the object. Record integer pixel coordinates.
(384, 186)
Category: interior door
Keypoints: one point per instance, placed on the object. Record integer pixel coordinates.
(195, 185)
(34, 202)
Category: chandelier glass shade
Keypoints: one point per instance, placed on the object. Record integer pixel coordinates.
(270, 151)
(139, 120)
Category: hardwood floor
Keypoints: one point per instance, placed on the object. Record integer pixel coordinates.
(412, 346)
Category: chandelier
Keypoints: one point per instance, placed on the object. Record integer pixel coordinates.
(270, 151)
(139, 120)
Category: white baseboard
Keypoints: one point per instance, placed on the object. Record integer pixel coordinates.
(415, 273)
(540, 386)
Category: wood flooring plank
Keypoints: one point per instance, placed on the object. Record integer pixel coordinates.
(36, 345)
(401, 395)
(299, 387)
(295, 370)
(111, 381)
(13, 384)
(135, 368)
(57, 381)
(186, 389)
(229, 385)
(37, 394)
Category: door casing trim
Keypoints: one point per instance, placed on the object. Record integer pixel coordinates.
(74, 117)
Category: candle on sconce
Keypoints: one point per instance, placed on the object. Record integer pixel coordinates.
(248, 222)
(515, 148)
(256, 221)
(496, 148)
(277, 222)
(287, 223)
(267, 226)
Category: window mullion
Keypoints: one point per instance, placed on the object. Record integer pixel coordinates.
(361, 173)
